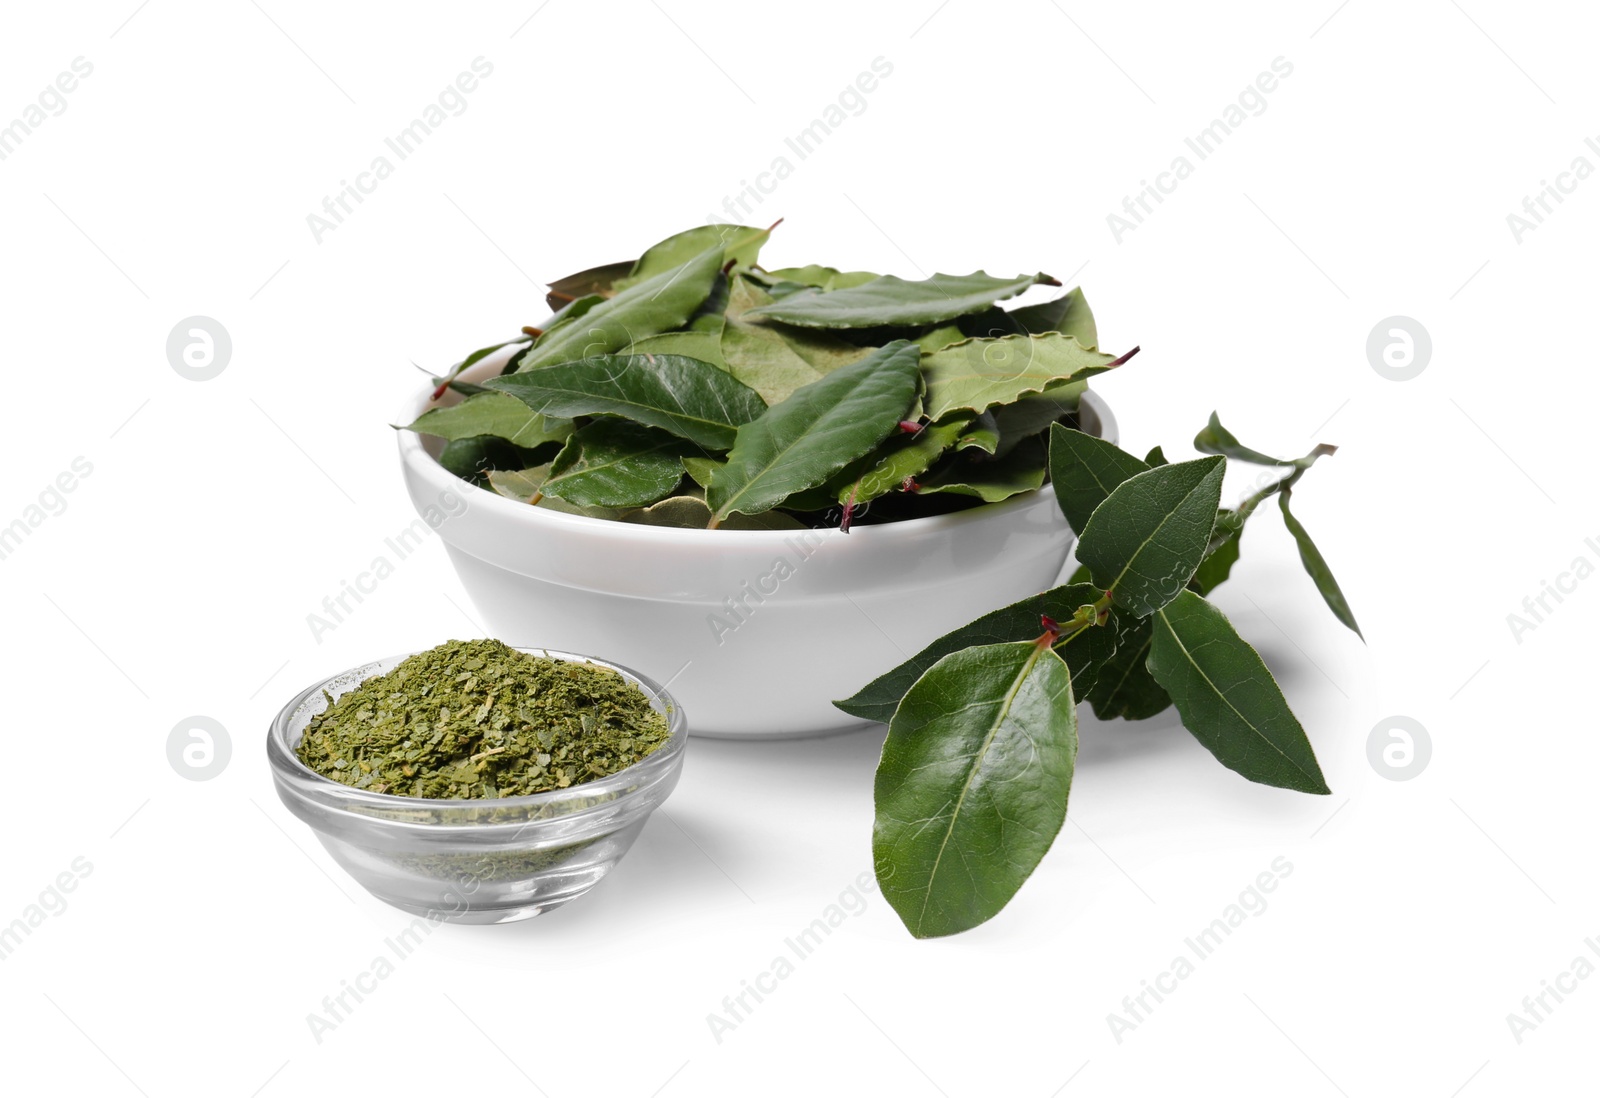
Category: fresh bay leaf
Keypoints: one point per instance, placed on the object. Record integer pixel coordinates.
(1214, 438)
(992, 323)
(492, 414)
(1148, 537)
(1227, 697)
(820, 498)
(478, 356)
(766, 363)
(521, 485)
(989, 479)
(1032, 413)
(1084, 470)
(596, 281)
(700, 468)
(820, 429)
(772, 361)
(474, 457)
(740, 243)
(1317, 568)
(898, 457)
(527, 486)
(1083, 653)
(972, 786)
(571, 311)
(616, 463)
(1221, 555)
(936, 339)
(889, 300)
(711, 316)
(819, 277)
(1125, 688)
(1223, 552)
(977, 374)
(982, 433)
(658, 304)
(1069, 315)
(1156, 457)
(690, 398)
(704, 344)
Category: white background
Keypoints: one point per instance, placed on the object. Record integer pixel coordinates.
(178, 579)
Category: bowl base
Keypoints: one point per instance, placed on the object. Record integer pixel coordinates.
(480, 916)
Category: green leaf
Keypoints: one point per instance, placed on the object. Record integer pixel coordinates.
(1084, 470)
(1317, 568)
(700, 468)
(478, 356)
(1222, 554)
(820, 429)
(1125, 687)
(973, 783)
(1069, 315)
(1145, 541)
(992, 323)
(616, 463)
(990, 479)
(1214, 438)
(568, 315)
(891, 300)
(596, 281)
(982, 434)
(521, 485)
(896, 458)
(935, 339)
(527, 486)
(819, 498)
(690, 398)
(473, 458)
(1156, 457)
(823, 278)
(492, 414)
(1033, 412)
(1227, 697)
(658, 304)
(1084, 652)
(711, 316)
(773, 361)
(704, 344)
(976, 374)
(740, 243)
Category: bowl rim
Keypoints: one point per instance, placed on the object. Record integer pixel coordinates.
(415, 457)
(296, 777)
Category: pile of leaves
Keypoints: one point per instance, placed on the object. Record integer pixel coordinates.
(694, 388)
(972, 785)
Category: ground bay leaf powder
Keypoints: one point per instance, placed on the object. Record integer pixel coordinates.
(478, 719)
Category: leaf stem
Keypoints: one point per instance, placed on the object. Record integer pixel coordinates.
(1283, 484)
(1081, 622)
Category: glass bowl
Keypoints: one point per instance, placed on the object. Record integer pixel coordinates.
(481, 860)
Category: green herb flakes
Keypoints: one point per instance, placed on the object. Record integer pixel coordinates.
(478, 719)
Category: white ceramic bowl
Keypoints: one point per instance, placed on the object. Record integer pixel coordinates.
(755, 632)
